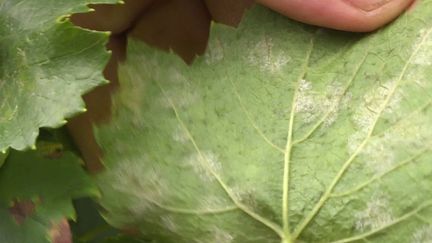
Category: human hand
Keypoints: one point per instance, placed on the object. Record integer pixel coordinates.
(349, 15)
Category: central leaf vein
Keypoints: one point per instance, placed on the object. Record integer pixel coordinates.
(206, 164)
(289, 145)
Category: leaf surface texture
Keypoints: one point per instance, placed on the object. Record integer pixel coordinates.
(281, 132)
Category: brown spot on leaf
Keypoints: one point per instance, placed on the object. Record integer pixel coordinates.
(22, 210)
(131, 230)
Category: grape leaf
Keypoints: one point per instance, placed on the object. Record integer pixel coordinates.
(2, 158)
(281, 133)
(46, 64)
(36, 189)
(125, 239)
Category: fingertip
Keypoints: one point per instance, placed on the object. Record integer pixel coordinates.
(348, 15)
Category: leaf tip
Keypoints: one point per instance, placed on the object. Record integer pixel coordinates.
(63, 18)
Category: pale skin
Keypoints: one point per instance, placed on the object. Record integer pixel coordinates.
(183, 26)
(349, 15)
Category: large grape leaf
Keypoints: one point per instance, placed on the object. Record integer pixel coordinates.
(280, 133)
(36, 189)
(46, 64)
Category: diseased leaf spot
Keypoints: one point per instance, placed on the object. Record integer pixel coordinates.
(21, 210)
(266, 58)
(366, 114)
(168, 223)
(180, 135)
(144, 186)
(218, 235)
(379, 156)
(211, 202)
(424, 57)
(377, 214)
(181, 98)
(312, 104)
(205, 168)
(215, 52)
(245, 196)
(423, 235)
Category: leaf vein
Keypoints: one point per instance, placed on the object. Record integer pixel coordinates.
(349, 161)
(205, 163)
(394, 222)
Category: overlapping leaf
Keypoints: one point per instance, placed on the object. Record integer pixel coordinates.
(2, 158)
(46, 64)
(282, 132)
(36, 189)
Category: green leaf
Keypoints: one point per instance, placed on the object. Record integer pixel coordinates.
(280, 133)
(90, 227)
(3, 157)
(126, 239)
(36, 189)
(46, 64)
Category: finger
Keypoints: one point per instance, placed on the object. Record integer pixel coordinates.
(116, 18)
(182, 26)
(350, 15)
(227, 11)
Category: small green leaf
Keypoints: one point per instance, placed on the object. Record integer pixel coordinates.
(281, 133)
(36, 189)
(46, 64)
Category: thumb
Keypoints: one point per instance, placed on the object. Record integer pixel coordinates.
(349, 15)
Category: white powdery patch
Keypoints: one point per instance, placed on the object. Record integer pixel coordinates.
(175, 76)
(142, 184)
(394, 102)
(9, 112)
(215, 52)
(336, 100)
(423, 235)
(178, 90)
(246, 196)
(180, 135)
(419, 77)
(204, 165)
(379, 156)
(168, 223)
(313, 104)
(211, 202)
(265, 58)
(424, 55)
(181, 97)
(305, 102)
(373, 102)
(376, 215)
(221, 236)
(217, 235)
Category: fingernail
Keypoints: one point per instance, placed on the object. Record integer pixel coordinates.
(368, 5)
